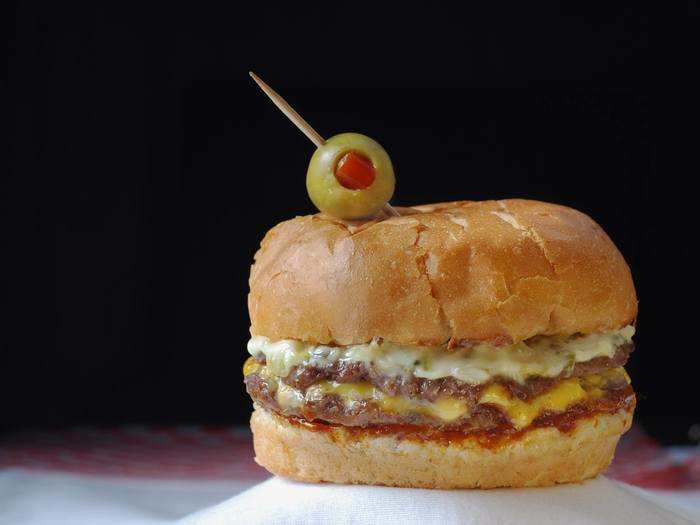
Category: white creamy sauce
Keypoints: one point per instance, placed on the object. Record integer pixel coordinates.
(541, 356)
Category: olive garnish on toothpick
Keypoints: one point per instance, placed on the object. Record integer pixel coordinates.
(350, 175)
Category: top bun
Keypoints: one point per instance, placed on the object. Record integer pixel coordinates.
(497, 271)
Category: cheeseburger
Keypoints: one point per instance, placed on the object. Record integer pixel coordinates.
(459, 345)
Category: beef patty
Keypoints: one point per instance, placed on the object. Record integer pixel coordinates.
(363, 413)
(331, 408)
(301, 377)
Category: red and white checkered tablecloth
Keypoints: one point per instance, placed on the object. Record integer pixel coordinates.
(226, 454)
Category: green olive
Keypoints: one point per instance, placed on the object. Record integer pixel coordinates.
(375, 188)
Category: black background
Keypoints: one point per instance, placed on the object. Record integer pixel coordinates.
(145, 167)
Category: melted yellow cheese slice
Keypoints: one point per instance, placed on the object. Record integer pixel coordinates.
(522, 413)
(446, 408)
(565, 394)
(251, 366)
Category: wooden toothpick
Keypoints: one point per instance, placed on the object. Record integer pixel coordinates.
(288, 110)
(300, 123)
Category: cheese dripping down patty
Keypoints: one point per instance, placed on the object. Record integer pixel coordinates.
(545, 356)
(564, 394)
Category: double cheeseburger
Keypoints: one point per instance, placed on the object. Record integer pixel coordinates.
(460, 345)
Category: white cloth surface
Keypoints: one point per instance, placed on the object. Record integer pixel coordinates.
(57, 499)
(43, 498)
(601, 501)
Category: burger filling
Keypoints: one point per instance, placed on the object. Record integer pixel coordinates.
(479, 387)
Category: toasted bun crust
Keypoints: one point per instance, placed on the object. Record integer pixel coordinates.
(541, 457)
(498, 271)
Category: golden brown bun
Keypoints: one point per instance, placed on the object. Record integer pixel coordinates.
(541, 457)
(471, 271)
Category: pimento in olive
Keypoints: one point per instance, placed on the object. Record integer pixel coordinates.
(350, 176)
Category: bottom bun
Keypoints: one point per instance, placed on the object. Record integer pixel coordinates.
(540, 457)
